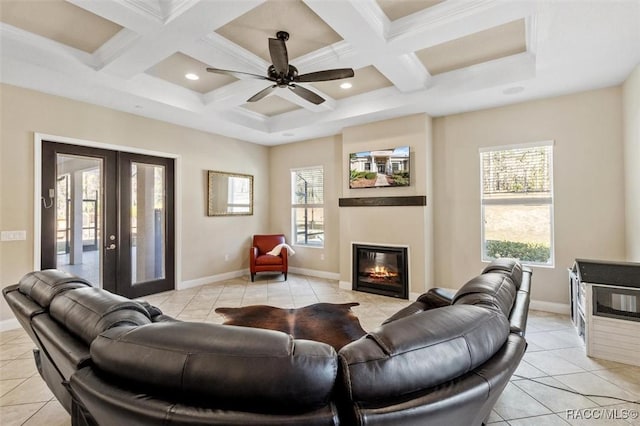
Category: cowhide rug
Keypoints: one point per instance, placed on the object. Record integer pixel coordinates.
(334, 324)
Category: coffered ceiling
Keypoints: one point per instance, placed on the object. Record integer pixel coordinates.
(435, 56)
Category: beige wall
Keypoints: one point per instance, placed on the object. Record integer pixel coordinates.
(588, 166)
(631, 124)
(323, 152)
(407, 226)
(205, 240)
(588, 183)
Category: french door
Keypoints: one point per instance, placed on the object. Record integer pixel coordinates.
(108, 216)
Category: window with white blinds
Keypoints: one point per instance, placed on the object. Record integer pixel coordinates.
(517, 202)
(307, 205)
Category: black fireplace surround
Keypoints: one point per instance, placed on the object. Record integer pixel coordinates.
(381, 270)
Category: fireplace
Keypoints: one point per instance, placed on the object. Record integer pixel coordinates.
(381, 270)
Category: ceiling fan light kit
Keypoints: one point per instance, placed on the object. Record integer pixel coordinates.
(285, 75)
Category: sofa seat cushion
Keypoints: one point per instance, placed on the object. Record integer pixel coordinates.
(421, 351)
(43, 286)
(492, 289)
(268, 259)
(262, 370)
(87, 312)
(113, 404)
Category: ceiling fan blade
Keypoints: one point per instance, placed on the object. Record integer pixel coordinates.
(237, 74)
(261, 94)
(306, 94)
(279, 57)
(325, 75)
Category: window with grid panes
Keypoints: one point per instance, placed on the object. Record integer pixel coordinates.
(517, 202)
(307, 205)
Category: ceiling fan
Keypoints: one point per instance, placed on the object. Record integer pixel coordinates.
(283, 74)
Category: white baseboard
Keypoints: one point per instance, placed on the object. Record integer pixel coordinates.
(235, 274)
(556, 308)
(315, 273)
(9, 324)
(345, 285)
(211, 279)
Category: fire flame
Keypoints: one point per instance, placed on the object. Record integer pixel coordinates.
(381, 272)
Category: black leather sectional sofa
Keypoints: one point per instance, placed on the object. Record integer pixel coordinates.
(443, 359)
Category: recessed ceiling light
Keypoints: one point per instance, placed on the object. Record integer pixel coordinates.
(346, 85)
(191, 76)
(513, 90)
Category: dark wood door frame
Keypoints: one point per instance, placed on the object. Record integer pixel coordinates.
(124, 275)
(48, 251)
(113, 277)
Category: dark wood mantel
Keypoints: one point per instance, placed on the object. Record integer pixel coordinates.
(416, 200)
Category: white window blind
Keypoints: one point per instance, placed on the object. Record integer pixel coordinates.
(519, 172)
(307, 202)
(308, 186)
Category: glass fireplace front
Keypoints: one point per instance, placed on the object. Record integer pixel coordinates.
(381, 270)
(616, 302)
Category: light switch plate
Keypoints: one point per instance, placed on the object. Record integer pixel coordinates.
(13, 235)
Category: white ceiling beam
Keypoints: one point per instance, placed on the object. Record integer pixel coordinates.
(234, 94)
(123, 13)
(452, 20)
(191, 25)
(288, 95)
(362, 24)
(218, 52)
(510, 69)
(33, 48)
(406, 72)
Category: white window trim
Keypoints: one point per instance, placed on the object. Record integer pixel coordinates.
(294, 238)
(521, 201)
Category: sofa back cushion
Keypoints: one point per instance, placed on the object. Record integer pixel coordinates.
(43, 286)
(87, 312)
(508, 266)
(220, 365)
(420, 351)
(492, 289)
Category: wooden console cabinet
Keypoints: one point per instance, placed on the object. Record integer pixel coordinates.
(605, 308)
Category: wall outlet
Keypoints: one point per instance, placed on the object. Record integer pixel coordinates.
(321, 256)
(226, 257)
(13, 235)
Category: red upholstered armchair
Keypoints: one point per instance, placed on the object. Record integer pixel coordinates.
(260, 261)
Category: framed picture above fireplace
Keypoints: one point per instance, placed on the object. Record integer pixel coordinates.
(380, 168)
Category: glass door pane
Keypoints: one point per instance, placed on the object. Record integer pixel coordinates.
(78, 212)
(148, 222)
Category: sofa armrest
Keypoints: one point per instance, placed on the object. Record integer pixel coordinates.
(437, 298)
(520, 310)
(412, 309)
(434, 298)
(284, 253)
(519, 313)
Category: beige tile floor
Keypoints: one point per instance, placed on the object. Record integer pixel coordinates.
(555, 356)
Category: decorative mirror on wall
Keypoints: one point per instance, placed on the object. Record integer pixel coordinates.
(229, 194)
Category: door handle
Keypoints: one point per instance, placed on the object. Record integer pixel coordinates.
(111, 247)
